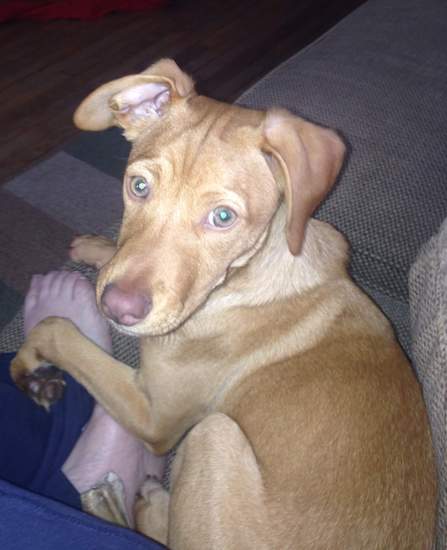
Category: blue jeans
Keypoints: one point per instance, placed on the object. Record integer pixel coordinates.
(39, 508)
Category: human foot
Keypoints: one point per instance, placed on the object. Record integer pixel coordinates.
(66, 294)
(105, 447)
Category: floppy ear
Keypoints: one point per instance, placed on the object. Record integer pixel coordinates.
(133, 102)
(308, 159)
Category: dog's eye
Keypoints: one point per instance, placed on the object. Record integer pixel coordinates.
(221, 217)
(139, 187)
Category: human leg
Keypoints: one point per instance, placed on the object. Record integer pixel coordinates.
(104, 445)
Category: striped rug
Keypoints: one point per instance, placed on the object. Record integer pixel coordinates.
(75, 191)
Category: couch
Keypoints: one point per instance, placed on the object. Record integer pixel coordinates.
(380, 78)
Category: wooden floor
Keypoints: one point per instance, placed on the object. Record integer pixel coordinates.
(47, 68)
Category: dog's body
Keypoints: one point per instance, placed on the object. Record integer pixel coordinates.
(307, 426)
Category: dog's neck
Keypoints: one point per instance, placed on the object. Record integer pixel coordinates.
(273, 273)
(271, 294)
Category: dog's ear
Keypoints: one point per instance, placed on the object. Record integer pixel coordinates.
(133, 102)
(306, 160)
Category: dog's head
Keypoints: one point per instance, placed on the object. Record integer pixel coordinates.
(203, 182)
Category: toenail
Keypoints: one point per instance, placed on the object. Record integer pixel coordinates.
(34, 386)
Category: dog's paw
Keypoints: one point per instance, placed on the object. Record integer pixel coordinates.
(149, 488)
(92, 250)
(44, 385)
(151, 510)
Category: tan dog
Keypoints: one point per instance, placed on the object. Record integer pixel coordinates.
(308, 426)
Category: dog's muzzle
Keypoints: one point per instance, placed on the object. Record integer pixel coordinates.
(125, 308)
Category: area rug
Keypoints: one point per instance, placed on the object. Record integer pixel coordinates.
(43, 209)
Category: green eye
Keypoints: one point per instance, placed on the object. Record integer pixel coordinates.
(139, 187)
(222, 217)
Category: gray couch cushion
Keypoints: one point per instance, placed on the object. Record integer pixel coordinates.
(380, 77)
(428, 303)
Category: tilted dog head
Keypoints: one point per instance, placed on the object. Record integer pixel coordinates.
(203, 182)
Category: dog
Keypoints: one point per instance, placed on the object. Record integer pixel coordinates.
(305, 426)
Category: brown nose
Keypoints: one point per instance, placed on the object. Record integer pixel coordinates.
(125, 308)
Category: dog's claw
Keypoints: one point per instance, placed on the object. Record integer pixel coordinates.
(45, 385)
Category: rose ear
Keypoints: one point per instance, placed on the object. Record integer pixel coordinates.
(307, 159)
(135, 101)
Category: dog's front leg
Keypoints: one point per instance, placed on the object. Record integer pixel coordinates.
(113, 384)
(92, 250)
(152, 511)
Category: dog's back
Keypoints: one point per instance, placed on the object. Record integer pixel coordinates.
(341, 437)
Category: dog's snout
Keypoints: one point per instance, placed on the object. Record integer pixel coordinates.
(125, 308)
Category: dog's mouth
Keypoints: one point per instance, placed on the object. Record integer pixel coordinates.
(149, 308)
(141, 329)
(127, 331)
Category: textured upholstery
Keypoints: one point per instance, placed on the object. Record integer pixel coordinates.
(380, 78)
(428, 299)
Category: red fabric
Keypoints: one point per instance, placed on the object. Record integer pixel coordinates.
(70, 9)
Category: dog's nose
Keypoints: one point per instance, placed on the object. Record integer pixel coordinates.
(125, 308)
